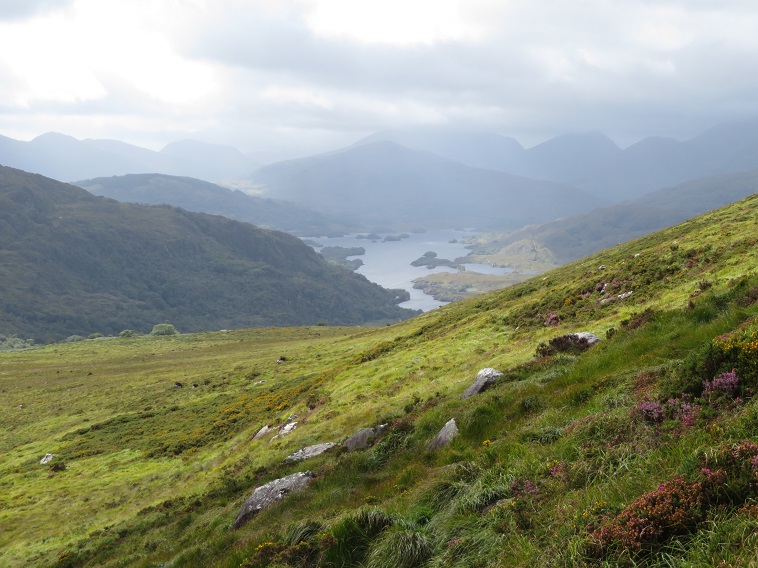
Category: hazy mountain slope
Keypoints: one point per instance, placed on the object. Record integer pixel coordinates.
(205, 197)
(580, 235)
(210, 161)
(594, 163)
(73, 263)
(65, 158)
(479, 149)
(385, 183)
(628, 453)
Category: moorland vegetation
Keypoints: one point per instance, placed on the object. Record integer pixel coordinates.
(638, 450)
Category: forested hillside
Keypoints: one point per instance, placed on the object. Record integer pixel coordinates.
(73, 263)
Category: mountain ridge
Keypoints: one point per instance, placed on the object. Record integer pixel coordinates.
(387, 184)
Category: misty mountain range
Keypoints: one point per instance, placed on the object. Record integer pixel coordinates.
(428, 177)
(67, 159)
(589, 161)
(384, 183)
(592, 161)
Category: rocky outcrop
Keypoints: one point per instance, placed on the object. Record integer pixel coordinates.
(271, 493)
(364, 438)
(484, 380)
(444, 437)
(288, 428)
(262, 432)
(309, 452)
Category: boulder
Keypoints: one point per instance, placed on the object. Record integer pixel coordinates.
(444, 437)
(271, 493)
(288, 428)
(309, 452)
(484, 380)
(590, 337)
(262, 432)
(47, 459)
(364, 438)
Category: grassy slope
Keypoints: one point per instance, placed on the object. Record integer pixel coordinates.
(156, 474)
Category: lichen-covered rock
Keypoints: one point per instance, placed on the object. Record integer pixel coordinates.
(364, 438)
(309, 452)
(444, 437)
(484, 380)
(271, 493)
(590, 337)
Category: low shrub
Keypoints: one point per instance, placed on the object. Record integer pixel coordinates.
(570, 343)
(164, 329)
(674, 507)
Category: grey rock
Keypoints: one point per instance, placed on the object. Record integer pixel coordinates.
(590, 337)
(444, 437)
(47, 459)
(364, 438)
(623, 296)
(288, 428)
(309, 452)
(271, 493)
(484, 380)
(262, 432)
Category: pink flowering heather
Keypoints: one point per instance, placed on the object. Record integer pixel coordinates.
(675, 507)
(683, 410)
(726, 383)
(552, 319)
(525, 487)
(651, 410)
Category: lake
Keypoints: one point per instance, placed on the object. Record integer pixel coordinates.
(388, 263)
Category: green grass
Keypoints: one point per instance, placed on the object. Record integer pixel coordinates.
(156, 474)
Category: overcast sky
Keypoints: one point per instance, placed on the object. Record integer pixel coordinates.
(299, 76)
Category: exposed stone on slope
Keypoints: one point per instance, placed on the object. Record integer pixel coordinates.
(262, 432)
(444, 437)
(590, 337)
(309, 452)
(484, 380)
(364, 438)
(271, 493)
